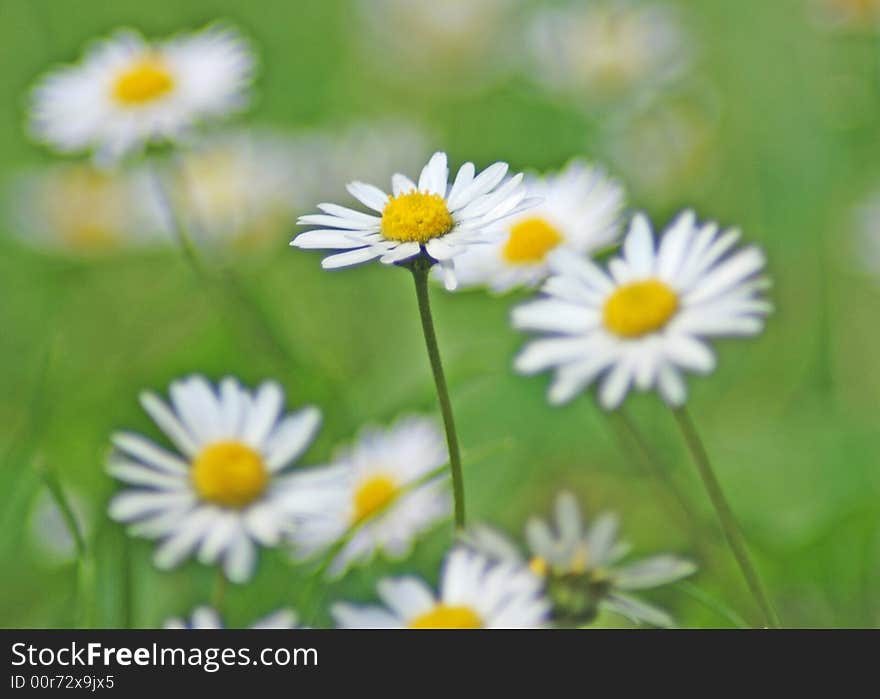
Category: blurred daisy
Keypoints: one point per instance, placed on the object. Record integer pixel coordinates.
(847, 13)
(866, 246)
(82, 210)
(208, 618)
(475, 593)
(442, 40)
(603, 50)
(49, 534)
(426, 218)
(238, 185)
(664, 148)
(580, 210)
(581, 566)
(222, 494)
(645, 320)
(127, 91)
(377, 489)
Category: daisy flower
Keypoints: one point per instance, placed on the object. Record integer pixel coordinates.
(377, 489)
(237, 185)
(208, 618)
(581, 566)
(475, 593)
(606, 49)
(128, 91)
(580, 210)
(222, 494)
(81, 210)
(430, 217)
(645, 320)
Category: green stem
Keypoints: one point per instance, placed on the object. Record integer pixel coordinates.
(219, 590)
(711, 603)
(628, 431)
(420, 270)
(85, 572)
(728, 522)
(127, 592)
(177, 224)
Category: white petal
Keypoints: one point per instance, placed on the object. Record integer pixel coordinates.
(290, 439)
(368, 195)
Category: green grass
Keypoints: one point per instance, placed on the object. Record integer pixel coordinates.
(791, 418)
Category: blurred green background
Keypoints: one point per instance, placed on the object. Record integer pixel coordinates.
(790, 113)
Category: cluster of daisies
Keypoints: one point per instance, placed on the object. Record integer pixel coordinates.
(618, 306)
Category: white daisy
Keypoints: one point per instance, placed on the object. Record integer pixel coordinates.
(377, 490)
(81, 210)
(475, 593)
(580, 210)
(127, 91)
(582, 566)
(605, 49)
(429, 217)
(646, 319)
(223, 493)
(237, 185)
(208, 618)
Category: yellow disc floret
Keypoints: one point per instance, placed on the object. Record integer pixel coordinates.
(229, 473)
(145, 81)
(640, 308)
(530, 241)
(373, 495)
(416, 217)
(447, 616)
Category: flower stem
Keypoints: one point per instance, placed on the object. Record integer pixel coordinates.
(177, 224)
(219, 590)
(420, 270)
(728, 522)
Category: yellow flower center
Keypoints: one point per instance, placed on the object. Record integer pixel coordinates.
(530, 241)
(416, 217)
(143, 82)
(539, 566)
(230, 474)
(372, 495)
(447, 616)
(640, 308)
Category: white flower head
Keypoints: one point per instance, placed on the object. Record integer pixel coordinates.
(380, 490)
(606, 49)
(127, 91)
(475, 593)
(430, 217)
(645, 319)
(582, 566)
(222, 494)
(580, 210)
(81, 210)
(209, 618)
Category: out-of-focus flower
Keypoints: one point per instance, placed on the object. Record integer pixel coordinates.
(452, 45)
(602, 51)
(127, 91)
(866, 243)
(581, 567)
(580, 210)
(223, 493)
(376, 489)
(847, 14)
(81, 210)
(662, 149)
(645, 320)
(428, 218)
(241, 185)
(208, 618)
(48, 532)
(475, 593)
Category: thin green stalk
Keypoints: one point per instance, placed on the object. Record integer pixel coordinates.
(711, 603)
(219, 590)
(420, 269)
(628, 431)
(85, 573)
(178, 225)
(127, 584)
(728, 522)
